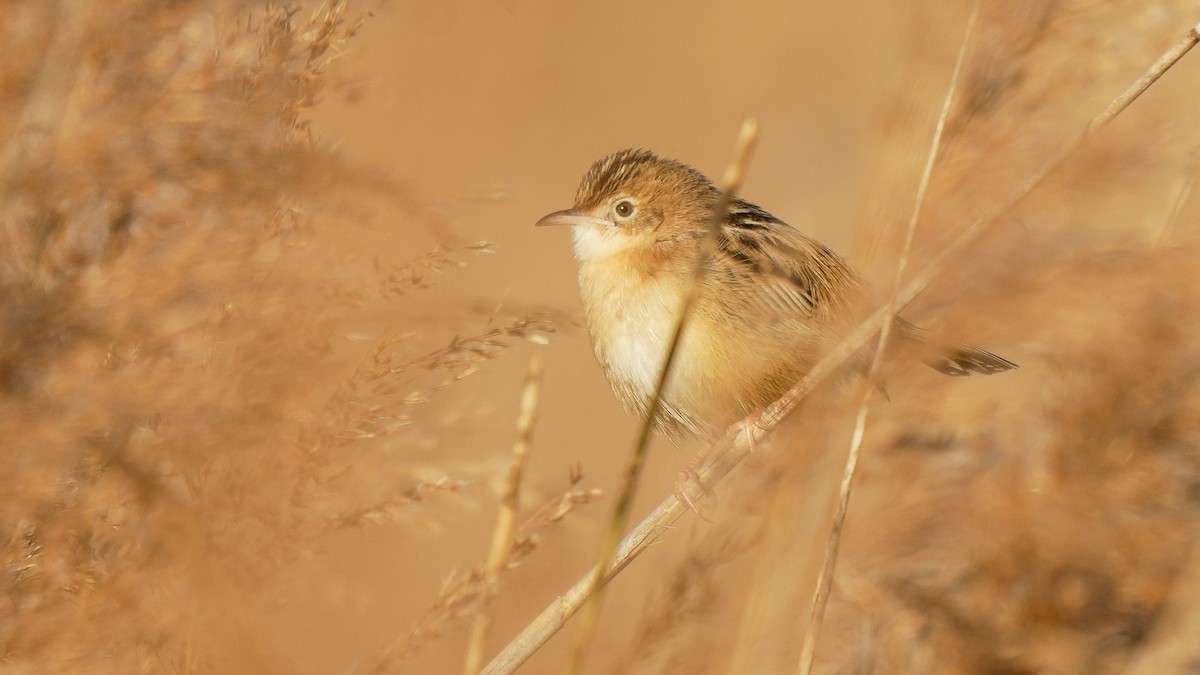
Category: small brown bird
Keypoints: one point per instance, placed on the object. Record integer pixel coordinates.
(770, 303)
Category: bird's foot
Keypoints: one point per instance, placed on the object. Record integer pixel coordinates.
(691, 474)
(750, 424)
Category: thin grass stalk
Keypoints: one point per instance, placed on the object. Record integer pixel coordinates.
(829, 559)
(1183, 193)
(506, 519)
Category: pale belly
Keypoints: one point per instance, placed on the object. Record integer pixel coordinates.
(713, 379)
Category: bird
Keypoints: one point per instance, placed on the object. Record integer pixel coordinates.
(769, 303)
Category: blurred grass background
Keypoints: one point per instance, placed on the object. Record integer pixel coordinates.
(258, 373)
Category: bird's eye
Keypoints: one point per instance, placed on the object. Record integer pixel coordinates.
(624, 208)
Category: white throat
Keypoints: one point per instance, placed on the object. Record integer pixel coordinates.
(594, 242)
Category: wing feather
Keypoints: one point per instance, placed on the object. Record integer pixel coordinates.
(783, 272)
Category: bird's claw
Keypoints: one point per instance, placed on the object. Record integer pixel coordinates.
(684, 495)
(750, 423)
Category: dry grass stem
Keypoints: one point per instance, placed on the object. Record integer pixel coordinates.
(1164, 63)
(1183, 191)
(506, 519)
(830, 554)
(554, 617)
(461, 591)
(731, 183)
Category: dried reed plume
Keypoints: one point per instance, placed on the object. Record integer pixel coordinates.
(193, 385)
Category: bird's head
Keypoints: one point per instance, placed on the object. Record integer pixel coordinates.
(633, 199)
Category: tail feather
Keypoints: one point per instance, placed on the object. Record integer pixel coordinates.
(957, 360)
(965, 359)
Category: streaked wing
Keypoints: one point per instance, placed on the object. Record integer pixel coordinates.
(783, 271)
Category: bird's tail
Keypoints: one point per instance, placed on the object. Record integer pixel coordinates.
(955, 360)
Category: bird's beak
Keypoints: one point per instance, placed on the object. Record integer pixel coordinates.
(570, 217)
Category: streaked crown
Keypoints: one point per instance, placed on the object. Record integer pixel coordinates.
(641, 173)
